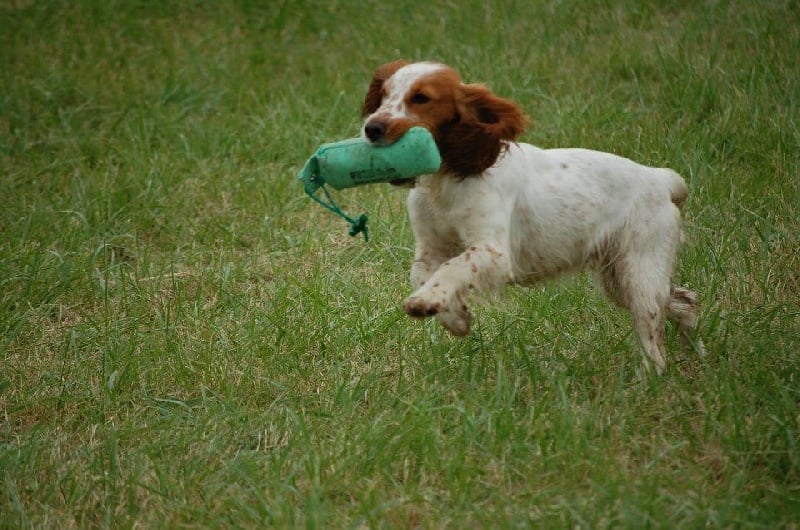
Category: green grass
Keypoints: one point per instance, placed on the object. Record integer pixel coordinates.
(187, 341)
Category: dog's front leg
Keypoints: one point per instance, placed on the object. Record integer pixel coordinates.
(424, 266)
(484, 267)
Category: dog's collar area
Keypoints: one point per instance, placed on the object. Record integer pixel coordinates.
(404, 183)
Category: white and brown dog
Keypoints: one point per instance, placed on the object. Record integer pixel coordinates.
(500, 212)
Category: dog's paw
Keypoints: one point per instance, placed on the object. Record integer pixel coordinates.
(455, 317)
(419, 307)
(456, 322)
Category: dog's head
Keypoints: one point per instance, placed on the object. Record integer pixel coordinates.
(469, 123)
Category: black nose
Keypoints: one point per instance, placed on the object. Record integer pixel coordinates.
(374, 130)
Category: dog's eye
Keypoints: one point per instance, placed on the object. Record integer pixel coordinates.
(420, 98)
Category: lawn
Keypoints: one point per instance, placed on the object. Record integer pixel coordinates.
(186, 340)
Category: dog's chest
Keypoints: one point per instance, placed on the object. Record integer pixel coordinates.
(445, 214)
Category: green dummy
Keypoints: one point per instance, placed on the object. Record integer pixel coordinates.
(356, 162)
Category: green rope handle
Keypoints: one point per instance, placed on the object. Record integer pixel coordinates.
(357, 226)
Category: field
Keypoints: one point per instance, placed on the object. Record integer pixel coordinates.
(186, 340)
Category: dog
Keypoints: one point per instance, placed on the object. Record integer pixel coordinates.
(503, 212)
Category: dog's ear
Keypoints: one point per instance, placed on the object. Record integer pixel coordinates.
(472, 142)
(372, 101)
(501, 118)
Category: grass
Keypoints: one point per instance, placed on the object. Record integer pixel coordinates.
(187, 341)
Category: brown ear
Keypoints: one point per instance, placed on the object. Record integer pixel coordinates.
(500, 117)
(375, 91)
(471, 144)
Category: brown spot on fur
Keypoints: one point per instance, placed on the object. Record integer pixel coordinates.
(494, 252)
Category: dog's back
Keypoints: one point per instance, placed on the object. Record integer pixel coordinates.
(572, 205)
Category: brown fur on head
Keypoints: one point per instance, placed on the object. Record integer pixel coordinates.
(469, 123)
(375, 91)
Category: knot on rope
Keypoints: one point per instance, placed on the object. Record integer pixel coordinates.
(357, 226)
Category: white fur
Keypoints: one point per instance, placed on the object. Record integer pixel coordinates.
(400, 83)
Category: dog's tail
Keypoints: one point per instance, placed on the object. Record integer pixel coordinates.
(677, 188)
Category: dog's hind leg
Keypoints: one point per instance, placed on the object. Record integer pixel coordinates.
(647, 306)
(642, 287)
(682, 310)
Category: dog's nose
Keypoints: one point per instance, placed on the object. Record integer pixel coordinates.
(374, 130)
